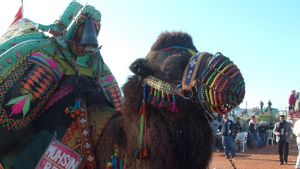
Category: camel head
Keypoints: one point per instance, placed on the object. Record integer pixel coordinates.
(169, 99)
(175, 66)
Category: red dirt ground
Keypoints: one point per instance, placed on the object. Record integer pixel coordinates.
(259, 158)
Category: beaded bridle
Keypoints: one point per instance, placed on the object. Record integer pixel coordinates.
(219, 86)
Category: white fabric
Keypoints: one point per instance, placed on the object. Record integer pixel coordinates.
(297, 105)
(298, 158)
(240, 137)
(296, 131)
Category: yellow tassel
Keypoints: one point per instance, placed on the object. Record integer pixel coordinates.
(109, 165)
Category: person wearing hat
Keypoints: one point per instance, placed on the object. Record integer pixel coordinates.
(282, 130)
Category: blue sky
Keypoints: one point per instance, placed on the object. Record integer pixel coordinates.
(261, 37)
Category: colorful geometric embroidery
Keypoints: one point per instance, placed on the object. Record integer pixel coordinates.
(109, 83)
(79, 136)
(26, 87)
(116, 97)
(94, 122)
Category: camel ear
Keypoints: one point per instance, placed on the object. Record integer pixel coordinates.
(141, 67)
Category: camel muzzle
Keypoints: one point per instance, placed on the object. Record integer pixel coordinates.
(214, 81)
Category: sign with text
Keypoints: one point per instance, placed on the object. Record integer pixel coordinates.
(59, 156)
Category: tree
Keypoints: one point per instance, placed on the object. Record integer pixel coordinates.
(268, 117)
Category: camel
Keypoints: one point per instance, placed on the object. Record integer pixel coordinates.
(172, 137)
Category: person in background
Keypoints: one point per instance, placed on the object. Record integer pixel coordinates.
(215, 128)
(226, 127)
(296, 112)
(292, 100)
(262, 134)
(238, 125)
(282, 130)
(252, 132)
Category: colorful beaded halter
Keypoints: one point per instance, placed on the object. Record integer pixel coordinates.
(213, 81)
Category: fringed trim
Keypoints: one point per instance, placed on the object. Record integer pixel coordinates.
(79, 110)
(161, 94)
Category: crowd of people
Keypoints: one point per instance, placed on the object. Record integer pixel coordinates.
(254, 134)
(230, 133)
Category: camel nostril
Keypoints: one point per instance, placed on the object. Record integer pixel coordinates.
(187, 94)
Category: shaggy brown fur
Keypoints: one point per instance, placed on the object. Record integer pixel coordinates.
(178, 140)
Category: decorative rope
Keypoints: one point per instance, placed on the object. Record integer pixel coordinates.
(231, 162)
(142, 151)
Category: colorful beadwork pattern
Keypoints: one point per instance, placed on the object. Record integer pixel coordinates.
(222, 86)
(188, 80)
(109, 83)
(161, 94)
(26, 87)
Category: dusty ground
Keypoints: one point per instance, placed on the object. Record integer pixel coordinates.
(259, 158)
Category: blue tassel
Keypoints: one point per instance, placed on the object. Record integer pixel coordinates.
(121, 164)
(114, 163)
